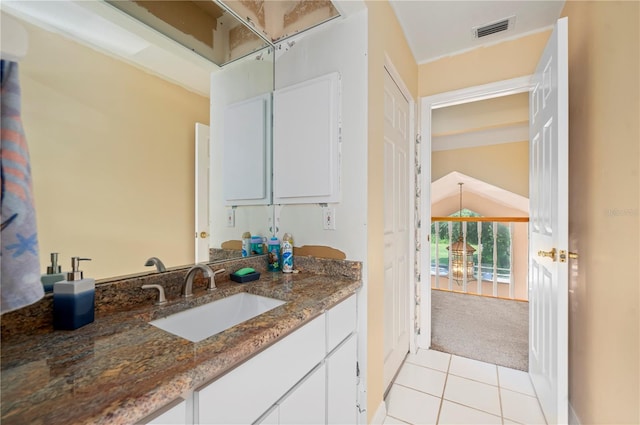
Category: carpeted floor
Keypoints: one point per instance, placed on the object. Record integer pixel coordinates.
(481, 328)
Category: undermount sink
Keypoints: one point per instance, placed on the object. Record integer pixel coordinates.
(204, 321)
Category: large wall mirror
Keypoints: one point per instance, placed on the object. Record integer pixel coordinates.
(111, 135)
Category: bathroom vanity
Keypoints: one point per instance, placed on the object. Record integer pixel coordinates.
(293, 362)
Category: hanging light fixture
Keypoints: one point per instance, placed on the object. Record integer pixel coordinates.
(461, 251)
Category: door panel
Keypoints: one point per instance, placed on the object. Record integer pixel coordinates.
(397, 214)
(202, 193)
(548, 280)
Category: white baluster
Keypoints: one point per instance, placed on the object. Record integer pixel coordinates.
(463, 229)
(479, 227)
(495, 258)
(511, 277)
(450, 225)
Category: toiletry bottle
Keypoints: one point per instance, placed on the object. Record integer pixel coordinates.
(256, 245)
(53, 274)
(246, 244)
(74, 299)
(273, 251)
(287, 253)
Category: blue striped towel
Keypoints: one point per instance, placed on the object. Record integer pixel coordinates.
(20, 266)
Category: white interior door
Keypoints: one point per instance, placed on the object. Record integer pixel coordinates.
(202, 193)
(548, 280)
(396, 228)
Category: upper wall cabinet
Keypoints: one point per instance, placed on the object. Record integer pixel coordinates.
(247, 152)
(306, 142)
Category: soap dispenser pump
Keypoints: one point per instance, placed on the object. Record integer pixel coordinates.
(74, 299)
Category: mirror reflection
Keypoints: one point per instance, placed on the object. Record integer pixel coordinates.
(201, 26)
(113, 144)
(278, 20)
(112, 157)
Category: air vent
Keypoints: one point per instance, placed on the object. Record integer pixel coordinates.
(494, 27)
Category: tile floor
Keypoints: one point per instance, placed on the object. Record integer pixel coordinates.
(438, 388)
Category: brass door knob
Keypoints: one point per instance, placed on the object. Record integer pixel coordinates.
(204, 235)
(551, 254)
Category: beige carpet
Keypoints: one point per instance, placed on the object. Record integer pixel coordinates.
(481, 328)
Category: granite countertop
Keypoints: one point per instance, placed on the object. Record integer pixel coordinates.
(119, 368)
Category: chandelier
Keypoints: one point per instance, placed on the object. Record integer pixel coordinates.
(461, 252)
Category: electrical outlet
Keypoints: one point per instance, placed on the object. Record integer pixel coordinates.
(231, 217)
(328, 218)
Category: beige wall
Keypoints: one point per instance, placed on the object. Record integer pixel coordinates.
(503, 61)
(482, 114)
(112, 156)
(505, 165)
(604, 165)
(385, 36)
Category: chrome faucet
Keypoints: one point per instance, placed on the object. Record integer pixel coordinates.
(155, 261)
(187, 286)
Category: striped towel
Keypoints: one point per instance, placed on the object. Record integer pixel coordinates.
(20, 266)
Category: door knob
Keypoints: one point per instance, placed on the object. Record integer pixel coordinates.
(551, 254)
(204, 235)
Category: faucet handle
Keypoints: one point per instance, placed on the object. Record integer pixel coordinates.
(161, 298)
(212, 280)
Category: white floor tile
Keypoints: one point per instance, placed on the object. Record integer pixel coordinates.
(473, 394)
(453, 413)
(390, 420)
(515, 380)
(412, 406)
(474, 369)
(521, 408)
(421, 378)
(508, 422)
(430, 358)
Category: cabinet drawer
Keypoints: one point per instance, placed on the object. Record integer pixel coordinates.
(246, 392)
(341, 321)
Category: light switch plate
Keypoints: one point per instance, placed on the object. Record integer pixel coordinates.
(328, 218)
(231, 217)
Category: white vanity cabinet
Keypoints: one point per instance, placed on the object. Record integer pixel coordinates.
(328, 394)
(306, 141)
(308, 377)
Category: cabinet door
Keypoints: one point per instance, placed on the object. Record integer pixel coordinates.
(306, 404)
(342, 384)
(246, 169)
(306, 142)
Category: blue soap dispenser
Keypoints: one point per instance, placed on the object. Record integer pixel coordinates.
(74, 299)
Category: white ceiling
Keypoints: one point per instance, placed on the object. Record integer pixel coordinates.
(441, 28)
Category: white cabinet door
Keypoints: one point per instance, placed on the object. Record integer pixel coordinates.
(341, 322)
(306, 404)
(306, 141)
(246, 168)
(342, 385)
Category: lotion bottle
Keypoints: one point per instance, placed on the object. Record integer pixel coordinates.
(74, 299)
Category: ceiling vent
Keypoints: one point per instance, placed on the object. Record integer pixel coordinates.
(494, 27)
